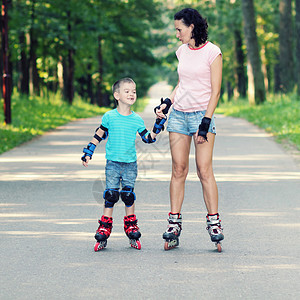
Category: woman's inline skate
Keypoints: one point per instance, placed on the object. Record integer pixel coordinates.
(171, 236)
(132, 231)
(103, 232)
(215, 230)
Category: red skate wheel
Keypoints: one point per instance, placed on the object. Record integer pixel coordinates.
(166, 247)
(96, 248)
(219, 247)
(139, 246)
(135, 244)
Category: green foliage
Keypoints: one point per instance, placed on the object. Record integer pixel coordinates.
(120, 32)
(279, 116)
(34, 116)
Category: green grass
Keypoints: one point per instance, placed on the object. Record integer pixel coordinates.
(33, 116)
(279, 115)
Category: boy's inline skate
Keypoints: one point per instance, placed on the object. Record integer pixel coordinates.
(103, 232)
(215, 230)
(173, 231)
(132, 231)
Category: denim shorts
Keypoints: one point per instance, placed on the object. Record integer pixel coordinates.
(120, 172)
(188, 122)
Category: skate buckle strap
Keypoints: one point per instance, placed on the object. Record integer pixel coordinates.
(105, 224)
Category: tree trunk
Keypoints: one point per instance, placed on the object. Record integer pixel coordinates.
(24, 68)
(33, 72)
(90, 83)
(253, 50)
(70, 86)
(70, 65)
(100, 80)
(6, 84)
(298, 44)
(240, 59)
(59, 74)
(286, 46)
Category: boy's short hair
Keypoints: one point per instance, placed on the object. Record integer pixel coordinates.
(116, 86)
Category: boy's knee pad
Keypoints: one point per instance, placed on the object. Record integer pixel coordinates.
(111, 196)
(128, 195)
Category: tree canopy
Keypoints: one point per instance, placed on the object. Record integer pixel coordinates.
(84, 46)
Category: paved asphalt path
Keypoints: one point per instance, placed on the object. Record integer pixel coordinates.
(50, 205)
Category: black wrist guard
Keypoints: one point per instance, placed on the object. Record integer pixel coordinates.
(168, 102)
(203, 127)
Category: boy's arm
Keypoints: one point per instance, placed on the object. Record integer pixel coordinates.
(149, 138)
(88, 151)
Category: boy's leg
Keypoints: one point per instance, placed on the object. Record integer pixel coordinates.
(111, 193)
(108, 211)
(129, 210)
(129, 174)
(131, 228)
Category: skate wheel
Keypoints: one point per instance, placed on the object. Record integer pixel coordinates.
(170, 244)
(96, 247)
(135, 244)
(166, 247)
(219, 247)
(99, 246)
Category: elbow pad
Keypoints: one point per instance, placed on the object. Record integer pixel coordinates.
(104, 136)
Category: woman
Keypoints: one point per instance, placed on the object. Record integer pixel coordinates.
(194, 100)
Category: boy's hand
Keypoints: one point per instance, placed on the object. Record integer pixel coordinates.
(88, 152)
(86, 162)
(159, 111)
(162, 109)
(159, 125)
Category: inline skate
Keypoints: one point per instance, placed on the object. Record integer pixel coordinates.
(215, 230)
(103, 232)
(171, 236)
(132, 231)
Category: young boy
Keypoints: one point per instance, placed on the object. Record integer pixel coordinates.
(120, 125)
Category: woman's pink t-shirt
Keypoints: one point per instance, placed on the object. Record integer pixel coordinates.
(194, 90)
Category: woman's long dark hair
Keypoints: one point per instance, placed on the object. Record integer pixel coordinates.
(191, 16)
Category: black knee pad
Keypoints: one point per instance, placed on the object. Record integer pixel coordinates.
(128, 195)
(111, 196)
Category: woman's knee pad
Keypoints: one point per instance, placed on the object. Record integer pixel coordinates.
(111, 196)
(127, 195)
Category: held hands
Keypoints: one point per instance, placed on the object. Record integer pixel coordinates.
(203, 130)
(162, 109)
(159, 125)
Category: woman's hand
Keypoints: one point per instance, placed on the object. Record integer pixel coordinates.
(159, 111)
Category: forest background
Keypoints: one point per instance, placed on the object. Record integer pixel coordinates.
(63, 56)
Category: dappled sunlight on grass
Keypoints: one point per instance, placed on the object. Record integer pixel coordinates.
(34, 116)
(269, 116)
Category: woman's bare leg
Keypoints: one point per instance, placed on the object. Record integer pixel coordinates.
(180, 145)
(204, 153)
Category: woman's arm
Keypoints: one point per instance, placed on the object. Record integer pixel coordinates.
(216, 81)
(159, 112)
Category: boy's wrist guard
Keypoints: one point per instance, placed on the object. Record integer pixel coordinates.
(146, 137)
(159, 125)
(88, 151)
